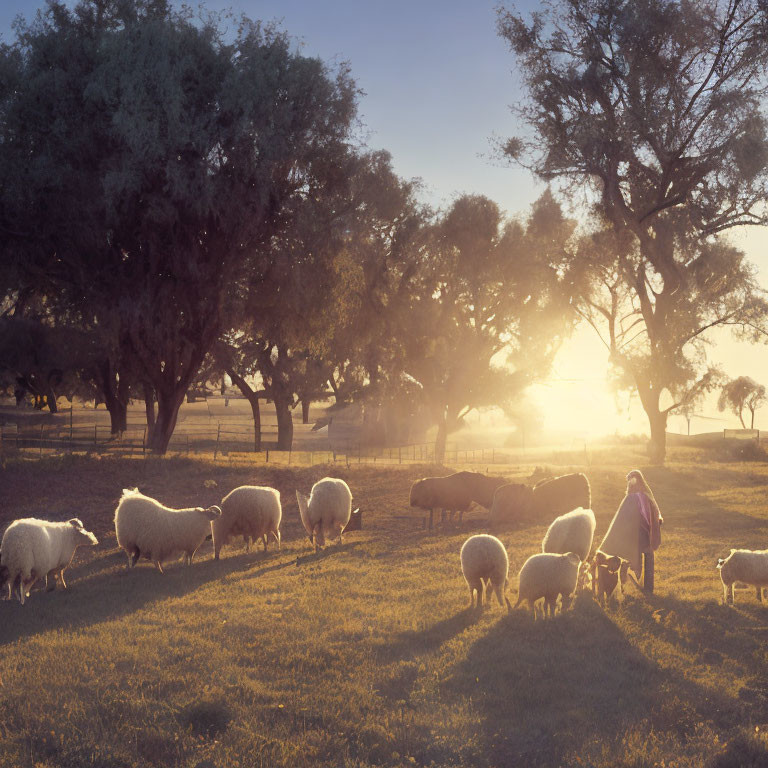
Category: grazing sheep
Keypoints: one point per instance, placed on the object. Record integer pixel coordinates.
(516, 501)
(147, 528)
(326, 511)
(747, 566)
(483, 558)
(250, 511)
(454, 493)
(572, 532)
(34, 549)
(548, 575)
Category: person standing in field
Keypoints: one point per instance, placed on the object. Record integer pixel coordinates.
(635, 531)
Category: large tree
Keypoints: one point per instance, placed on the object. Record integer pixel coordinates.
(490, 309)
(651, 111)
(145, 158)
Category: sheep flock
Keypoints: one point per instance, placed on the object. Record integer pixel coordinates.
(35, 550)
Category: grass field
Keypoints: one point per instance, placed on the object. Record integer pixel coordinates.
(367, 655)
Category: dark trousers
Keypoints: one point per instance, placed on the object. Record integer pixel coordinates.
(648, 561)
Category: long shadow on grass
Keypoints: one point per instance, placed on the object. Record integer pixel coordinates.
(413, 643)
(95, 596)
(712, 631)
(547, 689)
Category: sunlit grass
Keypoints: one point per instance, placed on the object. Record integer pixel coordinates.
(366, 655)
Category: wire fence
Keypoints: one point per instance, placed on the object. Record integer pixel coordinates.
(222, 441)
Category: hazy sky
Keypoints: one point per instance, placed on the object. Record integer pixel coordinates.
(438, 84)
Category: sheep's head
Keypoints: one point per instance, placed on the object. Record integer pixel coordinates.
(418, 494)
(83, 536)
(574, 559)
(211, 513)
(355, 521)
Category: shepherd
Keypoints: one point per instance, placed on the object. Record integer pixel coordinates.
(635, 531)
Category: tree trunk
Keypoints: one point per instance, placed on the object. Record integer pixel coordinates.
(115, 395)
(752, 421)
(657, 448)
(305, 411)
(440, 440)
(149, 407)
(284, 423)
(168, 404)
(252, 396)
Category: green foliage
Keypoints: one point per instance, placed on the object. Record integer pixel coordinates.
(145, 158)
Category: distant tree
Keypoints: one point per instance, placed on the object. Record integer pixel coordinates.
(652, 112)
(316, 310)
(742, 393)
(490, 311)
(143, 160)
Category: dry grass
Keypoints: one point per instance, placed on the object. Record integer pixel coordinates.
(366, 655)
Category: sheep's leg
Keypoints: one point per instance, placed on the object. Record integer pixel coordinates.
(276, 535)
(247, 540)
(509, 605)
(133, 557)
(265, 539)
(341, 531)
(159, 566)
(315, 533)
(18, 588)
(471, 596)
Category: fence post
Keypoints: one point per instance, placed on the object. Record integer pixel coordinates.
(144, 443)
(216, 449)
(95, 434)
(399, 457)
(41, 440)
(311, 455)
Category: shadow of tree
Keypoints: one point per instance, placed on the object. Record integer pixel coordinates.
(546, 689)
(99, 593)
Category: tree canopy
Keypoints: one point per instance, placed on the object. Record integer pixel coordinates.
(652, 113)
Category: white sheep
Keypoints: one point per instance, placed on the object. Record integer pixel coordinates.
(571, 532)
(548, 575)
(484, 559)
(747, 566)
(34, 549)
(250, 511)
(326, 511)
(145, 527)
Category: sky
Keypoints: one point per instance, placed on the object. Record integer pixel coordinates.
(438, 85)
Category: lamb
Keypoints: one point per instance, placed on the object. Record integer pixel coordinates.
(607, 572)
(516, 501)
(548, 575)
(145, 527)
(484, 559)
(571, 532)
(454, 493)
(326, 510)
(33, 549)
(745, 565)
(250, 511)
